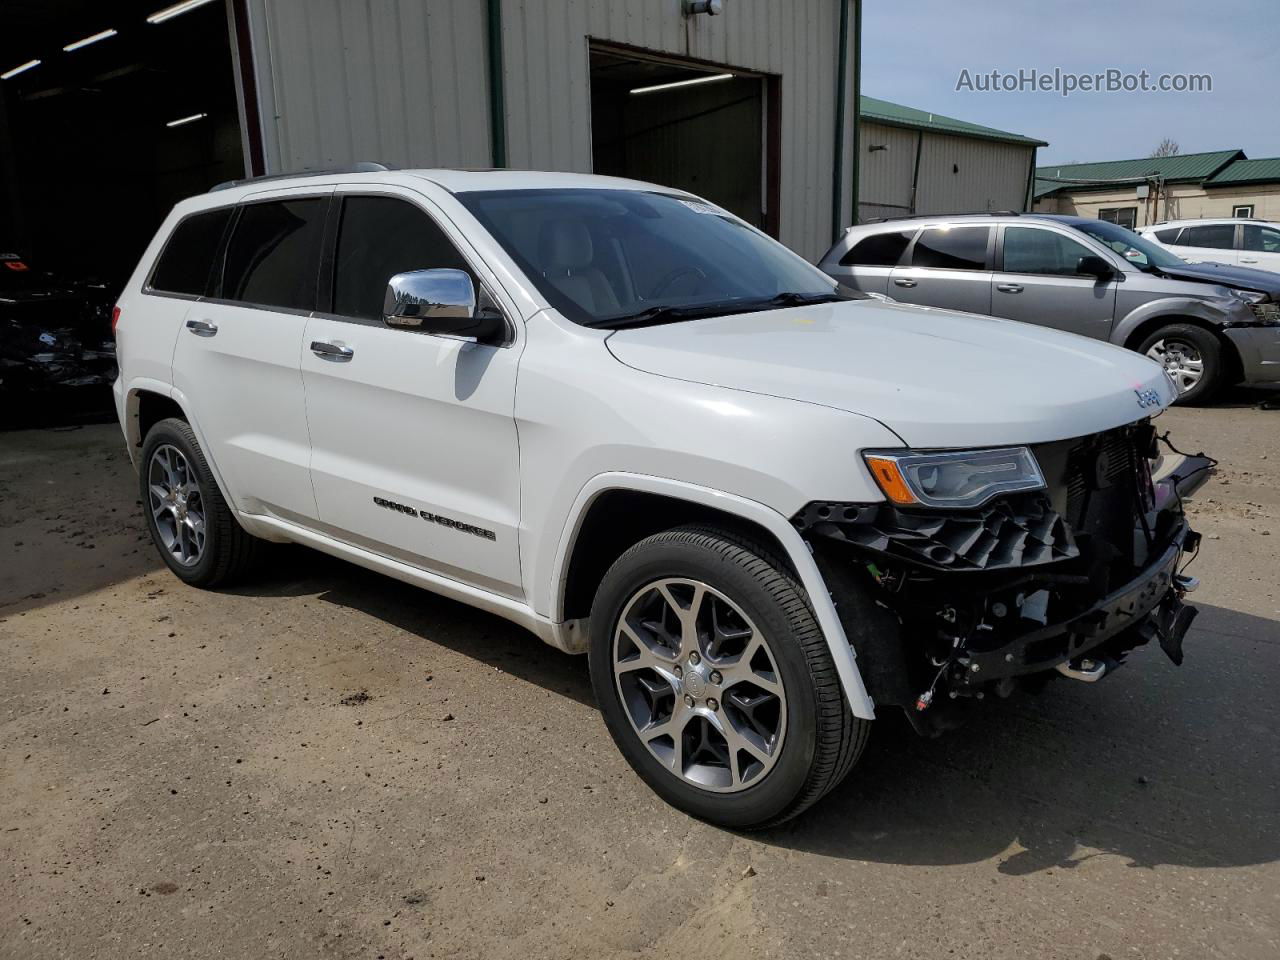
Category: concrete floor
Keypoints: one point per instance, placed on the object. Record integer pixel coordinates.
(332, 764)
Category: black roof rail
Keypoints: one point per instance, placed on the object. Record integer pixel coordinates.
(363, 166)
(935, 216)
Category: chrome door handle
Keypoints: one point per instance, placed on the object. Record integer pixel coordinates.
(1248, 259)
(901, 282)
(1009, 287)
(333, 352)
(202, 328)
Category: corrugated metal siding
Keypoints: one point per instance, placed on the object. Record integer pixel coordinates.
(992, 176)
(405, 81)
(885, 178)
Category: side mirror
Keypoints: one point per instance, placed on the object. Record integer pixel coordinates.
(440, 301)
(1094, 266)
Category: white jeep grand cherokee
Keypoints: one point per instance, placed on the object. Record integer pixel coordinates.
(623, 418)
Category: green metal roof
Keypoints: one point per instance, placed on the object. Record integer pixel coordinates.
(1183, 167)
(1262, 170)
(896, 115)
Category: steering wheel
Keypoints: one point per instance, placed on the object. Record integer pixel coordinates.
(669, 280)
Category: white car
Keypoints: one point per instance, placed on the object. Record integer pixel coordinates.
(623, 418)
(1245, 243)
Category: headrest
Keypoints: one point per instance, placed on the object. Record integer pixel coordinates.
(565, 245)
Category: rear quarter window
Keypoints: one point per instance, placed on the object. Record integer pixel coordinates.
(878, 250)
(186, 263)
(1169, 236)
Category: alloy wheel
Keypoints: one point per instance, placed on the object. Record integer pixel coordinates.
(177, 504)
(1181, 360)
(700, 684)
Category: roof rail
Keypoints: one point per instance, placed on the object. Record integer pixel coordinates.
(363, 166)
(935, 216)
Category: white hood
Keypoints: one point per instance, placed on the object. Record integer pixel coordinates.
(935, 377)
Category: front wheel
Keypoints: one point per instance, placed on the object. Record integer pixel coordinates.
(1191, 356)
(716, 682)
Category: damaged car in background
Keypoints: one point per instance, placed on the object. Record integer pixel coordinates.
(57, 353)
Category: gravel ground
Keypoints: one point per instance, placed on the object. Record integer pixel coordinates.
(332, 764)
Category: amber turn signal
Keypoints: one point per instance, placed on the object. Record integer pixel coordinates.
(889, 476)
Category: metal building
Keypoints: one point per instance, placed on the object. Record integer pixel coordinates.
(760, 117)
(913, 161)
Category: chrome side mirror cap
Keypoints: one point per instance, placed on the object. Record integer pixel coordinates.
(422, 299)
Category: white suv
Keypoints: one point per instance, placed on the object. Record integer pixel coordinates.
(623, 418)
(1245, 243)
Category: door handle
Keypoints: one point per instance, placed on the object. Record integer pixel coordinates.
(333, 352)
(1009, 287)
(903, 282)
(202, 328)
(1248, 259)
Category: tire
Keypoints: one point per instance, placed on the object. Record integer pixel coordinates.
(747, 593)
(224, 552)
(1179, 347)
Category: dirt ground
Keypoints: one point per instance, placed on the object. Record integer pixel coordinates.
(332, 764)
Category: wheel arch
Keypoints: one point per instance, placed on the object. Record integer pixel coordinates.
(145, 406)
(1233, 362)
(614, 511)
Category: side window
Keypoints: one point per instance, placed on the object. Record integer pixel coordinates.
(1219, 236)
(1261, 239)
(952, 248)
(1169, 236)
(378, 238)
(878, 250)
(186, 262)
(274, 254)
(1032, 250)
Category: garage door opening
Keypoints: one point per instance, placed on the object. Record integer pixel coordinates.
(693, 126)
(131, 106)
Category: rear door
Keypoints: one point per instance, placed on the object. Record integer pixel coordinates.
(1207, 243)
(414, 448)
(949, 266)
(1038, 282)
(237, 360)
(866, 265)
(1260, 246)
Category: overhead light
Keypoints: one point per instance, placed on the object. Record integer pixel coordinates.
(160, 16)
(20, 69)
(683, 83)
(88, 40)
(191, 119)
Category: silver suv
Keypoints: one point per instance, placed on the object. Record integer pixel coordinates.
(1208, 324)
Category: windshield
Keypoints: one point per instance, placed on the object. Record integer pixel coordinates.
(606, 257)
(1139, 251)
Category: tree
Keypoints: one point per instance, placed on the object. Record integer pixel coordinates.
(1167, 148)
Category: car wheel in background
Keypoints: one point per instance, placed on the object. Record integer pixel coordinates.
(1192, 356)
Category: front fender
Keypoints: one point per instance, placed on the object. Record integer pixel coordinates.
(797, 551)
(1171, 309)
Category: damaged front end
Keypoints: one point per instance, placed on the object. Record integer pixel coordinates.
(949, 605)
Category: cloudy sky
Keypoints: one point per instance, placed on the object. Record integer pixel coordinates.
(913, 53)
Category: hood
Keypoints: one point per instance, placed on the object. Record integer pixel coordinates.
(935, 377)
(1247, 278)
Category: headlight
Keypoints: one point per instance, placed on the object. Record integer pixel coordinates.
(965, 478)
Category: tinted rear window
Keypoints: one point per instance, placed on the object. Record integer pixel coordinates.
(878, 250)
(1169, 236)
(1219, 236)
(274, 252)
(187, 259)
(952, 248)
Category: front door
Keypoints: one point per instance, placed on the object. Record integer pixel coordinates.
(1039, 283)
(414, 448)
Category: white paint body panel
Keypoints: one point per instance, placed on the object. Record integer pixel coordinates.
(754, 415)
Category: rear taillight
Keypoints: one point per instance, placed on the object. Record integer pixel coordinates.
(115, 319)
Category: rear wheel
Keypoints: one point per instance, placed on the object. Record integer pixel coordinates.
(191, 524)
(1192, 356)
(715, 680)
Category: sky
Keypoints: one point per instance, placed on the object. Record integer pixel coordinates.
(914, 53)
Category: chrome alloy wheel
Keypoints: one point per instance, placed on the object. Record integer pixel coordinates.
(176, 504)
(699, 684)
(1181, 360)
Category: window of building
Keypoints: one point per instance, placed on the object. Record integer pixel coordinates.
(1217, 236)
(1261, 239)
(274, 254)
(952, 248)
(879, 250)
(187, 260)
(1243, 210)
(1034, 250)
(1121, 216)
(378, 238)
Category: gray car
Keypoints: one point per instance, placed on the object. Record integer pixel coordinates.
(1209, 324)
